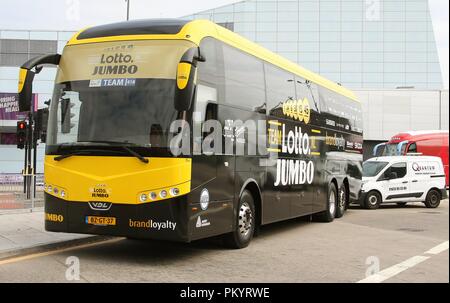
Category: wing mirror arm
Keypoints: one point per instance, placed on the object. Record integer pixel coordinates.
(26, 77)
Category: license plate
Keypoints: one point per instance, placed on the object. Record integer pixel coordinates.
(103, 221)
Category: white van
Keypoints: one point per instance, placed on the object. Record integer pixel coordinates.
(403, 179)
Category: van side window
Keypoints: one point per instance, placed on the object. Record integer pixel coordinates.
(399, 169)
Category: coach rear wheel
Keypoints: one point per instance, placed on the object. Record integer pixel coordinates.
(245, 221)
(332, 202)
(342, 202)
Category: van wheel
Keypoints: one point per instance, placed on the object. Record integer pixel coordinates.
(373, 200)
(245, 223)
(433, 199)
(342, 202)
(332, 202)
(401, 204)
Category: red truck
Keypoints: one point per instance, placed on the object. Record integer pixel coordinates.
(427, 143)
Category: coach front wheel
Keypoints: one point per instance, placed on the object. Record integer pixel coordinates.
(245, 223)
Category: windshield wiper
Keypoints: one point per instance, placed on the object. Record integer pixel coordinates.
(82, 152)
(137, 155)
(119, 144)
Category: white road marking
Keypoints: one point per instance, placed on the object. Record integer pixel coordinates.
(438, 249)
(394, 270)
(405, 265)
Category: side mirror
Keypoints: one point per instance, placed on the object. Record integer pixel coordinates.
(184, 91)
(186, 78)
(26, 78)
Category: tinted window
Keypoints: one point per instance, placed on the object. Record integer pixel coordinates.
(280, 88)
(244, 79)
(373, 168)
(307, 89)
(208, 72)
(341, 112)
(397, 168)
(412, 148)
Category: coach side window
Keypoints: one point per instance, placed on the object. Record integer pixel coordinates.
(244, 80)
(208, 72)
(280, 89)
(307, 89)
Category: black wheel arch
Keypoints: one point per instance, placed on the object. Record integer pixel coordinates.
(377, 191)
(252, 186)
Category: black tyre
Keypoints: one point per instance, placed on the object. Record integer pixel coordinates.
(433, 199)
(373, 200)
(402, 204)
(332, 201)
(245, 223)
(342, 202)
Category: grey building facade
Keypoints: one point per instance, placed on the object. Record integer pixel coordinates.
(374, 44)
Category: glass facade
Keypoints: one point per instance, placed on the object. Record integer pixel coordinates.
(375, 44)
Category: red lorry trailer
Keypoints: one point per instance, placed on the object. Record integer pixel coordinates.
(427, 143)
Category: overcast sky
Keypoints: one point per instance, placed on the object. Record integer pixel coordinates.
(76, 14)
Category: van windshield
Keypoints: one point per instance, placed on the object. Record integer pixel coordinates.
(373, 168)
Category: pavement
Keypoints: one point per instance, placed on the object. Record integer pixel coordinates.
(398, 244)
(22, 231)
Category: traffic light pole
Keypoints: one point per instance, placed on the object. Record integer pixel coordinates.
(35, 138)
(25, 170)
(29, 149)
(28, 132)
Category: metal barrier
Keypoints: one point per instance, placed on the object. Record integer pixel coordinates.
(12, 193)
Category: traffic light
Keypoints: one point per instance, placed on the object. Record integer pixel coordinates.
(21, 133)
(41, 122)
(66, 115)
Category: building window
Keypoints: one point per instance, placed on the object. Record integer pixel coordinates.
(227, 25)
(15, 52)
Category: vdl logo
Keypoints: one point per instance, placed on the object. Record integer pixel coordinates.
(104, 206)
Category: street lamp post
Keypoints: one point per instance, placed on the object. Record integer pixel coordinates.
(128, 9)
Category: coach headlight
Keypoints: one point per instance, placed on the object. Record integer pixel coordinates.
(163, 194)
(174, 191)
(143, 198)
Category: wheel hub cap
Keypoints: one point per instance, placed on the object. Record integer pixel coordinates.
(332, 203)
(373, 200)
(342, 199)
(245, 219)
